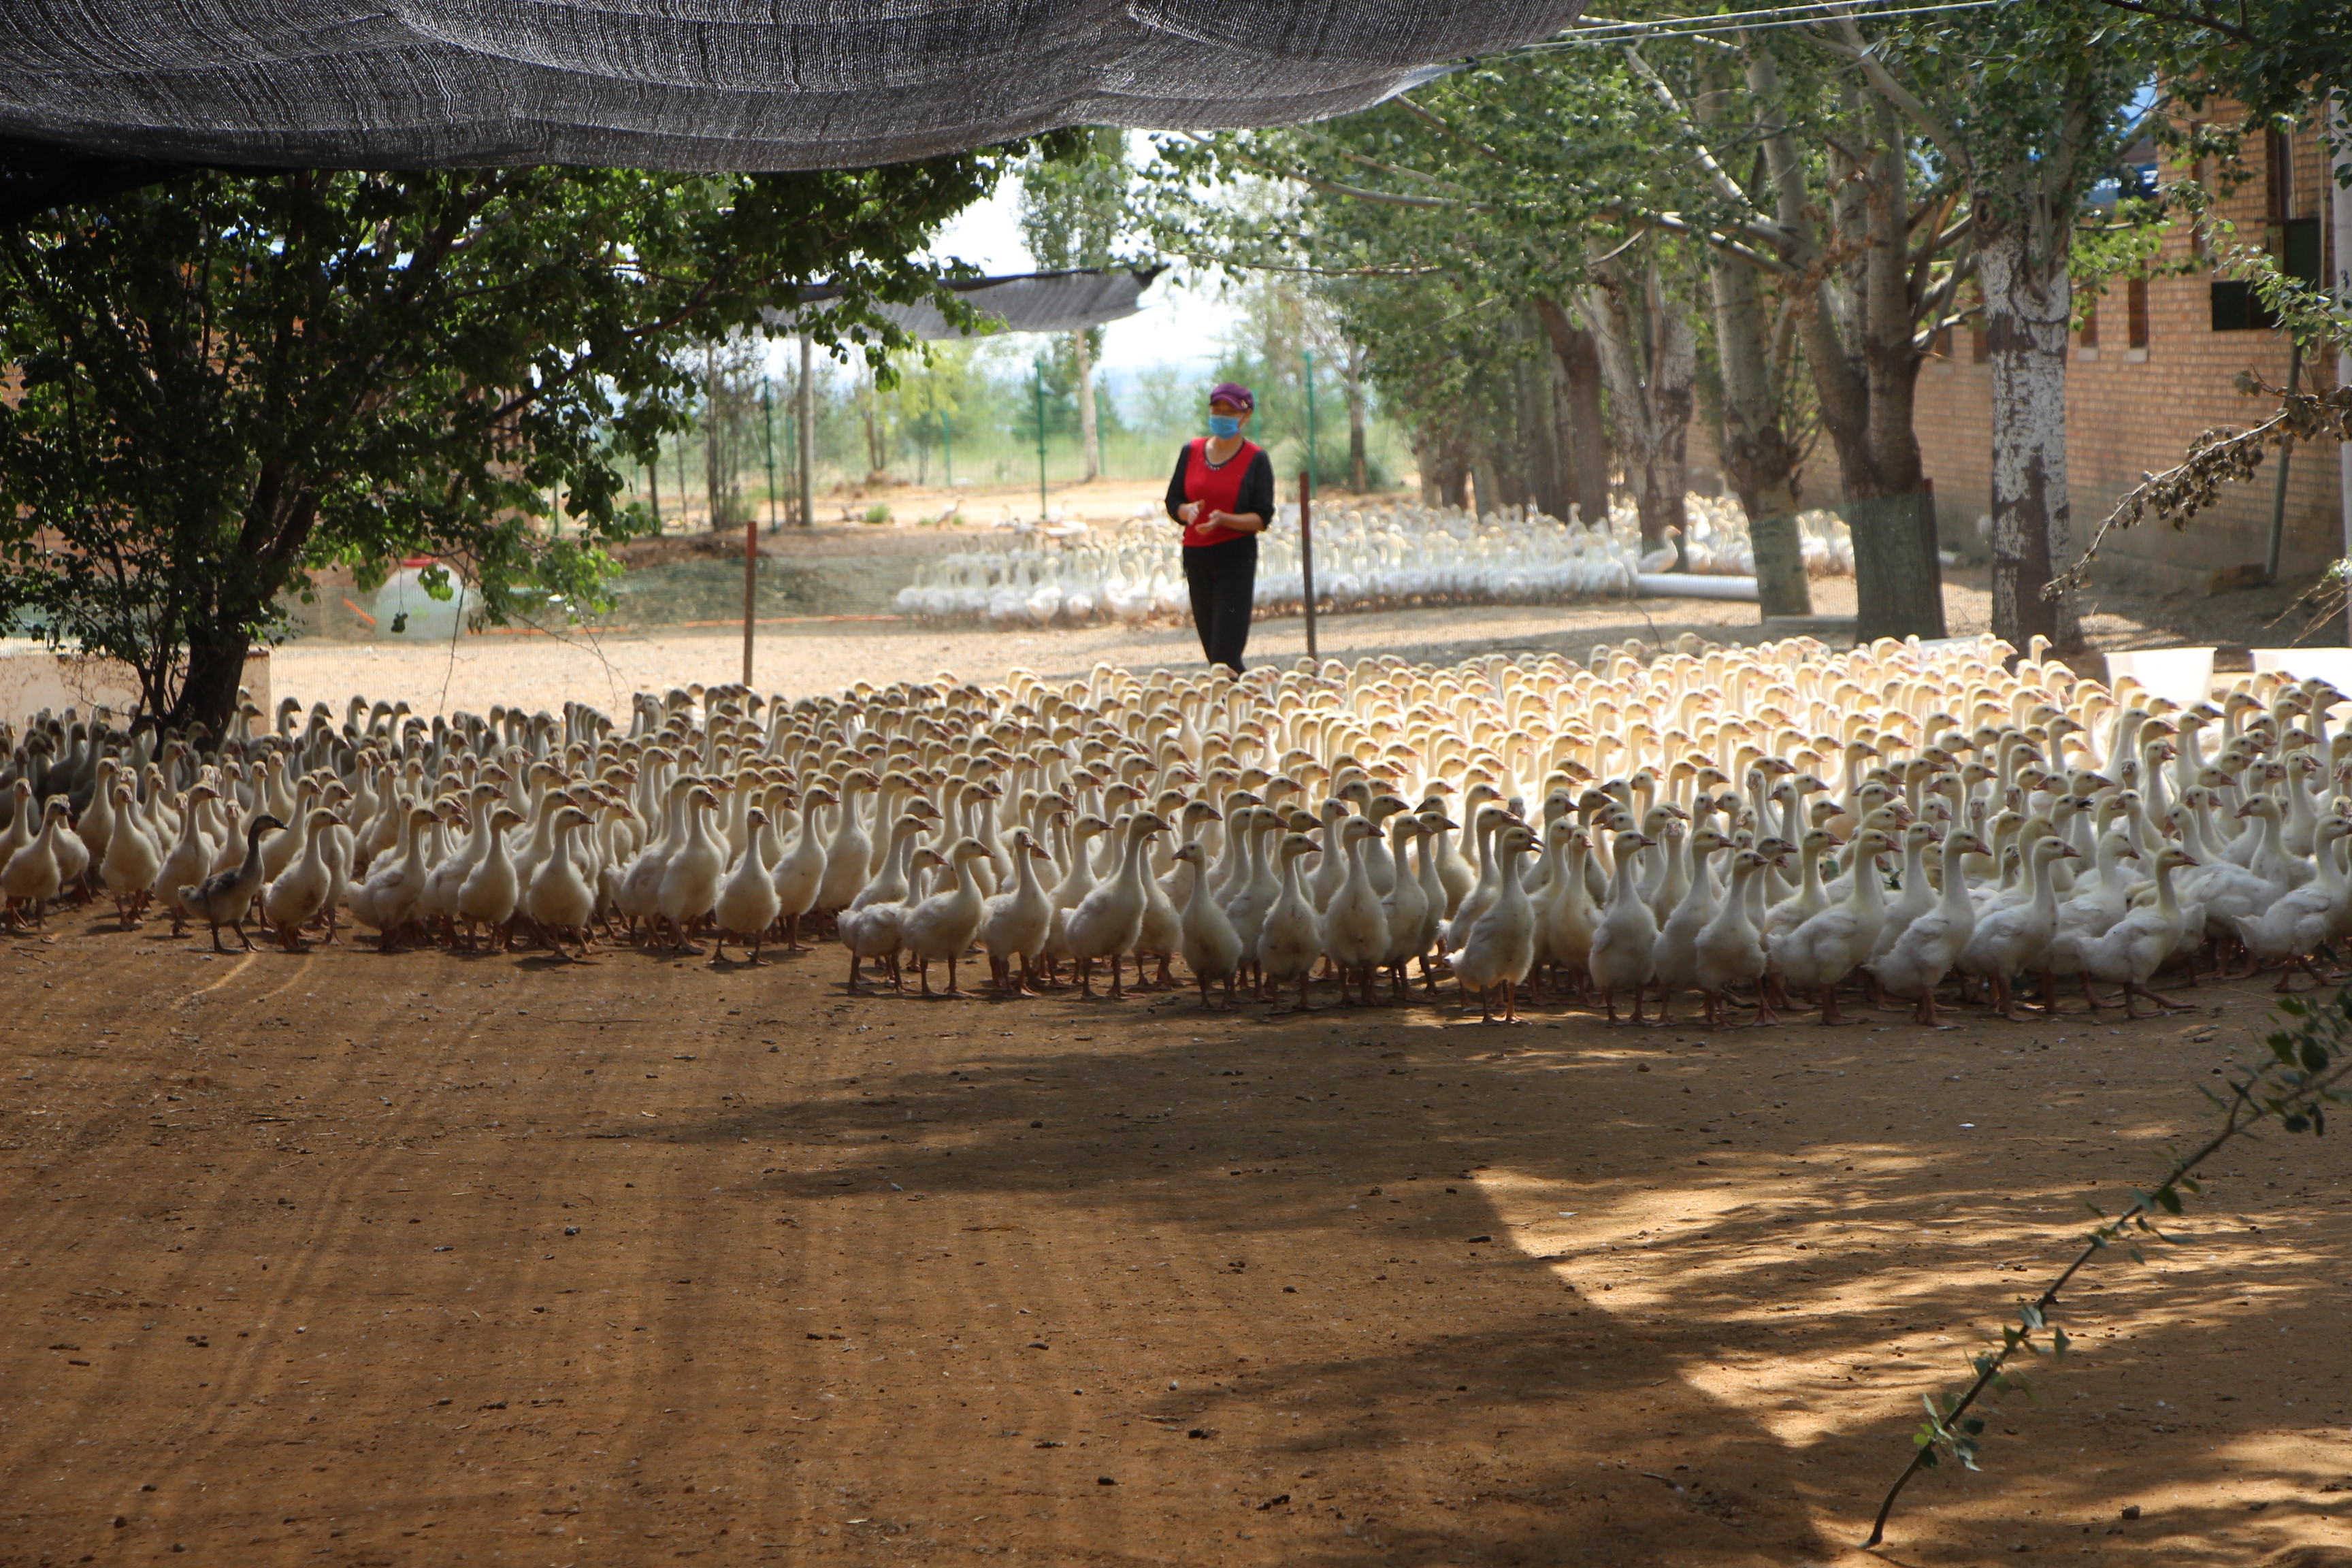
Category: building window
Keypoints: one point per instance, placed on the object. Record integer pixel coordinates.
(2278, 177)
(2089, 336)
(2237, 308)
(1940, 345)
(1979, 344)
(2136, 312)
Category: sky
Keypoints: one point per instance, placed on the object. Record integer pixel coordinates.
(1181, 326)
(1178, 325)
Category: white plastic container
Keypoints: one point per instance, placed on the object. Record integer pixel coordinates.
(2180, 675)
(2332, 665)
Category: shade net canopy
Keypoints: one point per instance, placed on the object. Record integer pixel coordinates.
(697, 84)
(1066, 301)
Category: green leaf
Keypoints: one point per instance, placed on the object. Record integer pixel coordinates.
(2295, 1123)
(2168, 1199)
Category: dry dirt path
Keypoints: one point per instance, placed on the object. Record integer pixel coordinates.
(425, 1259)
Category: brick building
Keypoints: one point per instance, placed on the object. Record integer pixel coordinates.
(2157, 363)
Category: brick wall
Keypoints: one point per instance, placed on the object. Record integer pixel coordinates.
(2131, 410)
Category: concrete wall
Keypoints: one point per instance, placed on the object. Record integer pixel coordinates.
(2131, 410)
(32, 678)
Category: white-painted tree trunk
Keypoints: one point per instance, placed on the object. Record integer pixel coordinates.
(1089, 445)
(1758, 459)
(2029, 303)
(1649, 362)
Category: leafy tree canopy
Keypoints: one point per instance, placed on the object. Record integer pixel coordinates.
(228, 381)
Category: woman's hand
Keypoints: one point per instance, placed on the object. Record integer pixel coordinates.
(1186, 513)
(1237, 521)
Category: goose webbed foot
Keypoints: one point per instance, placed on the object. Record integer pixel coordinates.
(2136, 988)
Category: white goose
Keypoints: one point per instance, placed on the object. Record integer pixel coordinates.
(1728, 950)
(1213, 949)
(560, 899)
(1501, 947)
(1932, 943)
(301, 890)
(1625, 942)
(1820, 953)
(1108, 920)
(1016, 922)
(748, 904)
(1290, 938)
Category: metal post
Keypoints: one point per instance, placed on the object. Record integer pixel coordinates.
(1039, 376)
(808, 433)
(1307, 552)
(768, 427)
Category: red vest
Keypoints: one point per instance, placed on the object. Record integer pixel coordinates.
(1217, 488)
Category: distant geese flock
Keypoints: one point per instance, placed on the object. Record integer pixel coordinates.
(1910, 825)
(1366, 558)
(1716, 542)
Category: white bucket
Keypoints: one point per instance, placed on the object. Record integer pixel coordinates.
(2180, 675)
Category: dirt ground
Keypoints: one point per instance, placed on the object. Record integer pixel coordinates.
(424, 1260)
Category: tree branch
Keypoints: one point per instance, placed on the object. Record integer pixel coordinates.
(1438, 125)
(1725, 186)
(1855, 47)
(2188, 19)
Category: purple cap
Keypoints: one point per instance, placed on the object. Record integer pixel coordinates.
(1235, 393)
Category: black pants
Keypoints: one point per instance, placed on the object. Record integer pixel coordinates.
(1223, 580)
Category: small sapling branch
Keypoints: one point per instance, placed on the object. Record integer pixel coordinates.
(2309, 1066)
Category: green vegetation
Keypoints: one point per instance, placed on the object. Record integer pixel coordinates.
(231, 380)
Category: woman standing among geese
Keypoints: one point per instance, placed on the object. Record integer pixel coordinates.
(1222, 492)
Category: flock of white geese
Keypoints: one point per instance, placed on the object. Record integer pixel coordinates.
(1366, 558)
(1758, 826)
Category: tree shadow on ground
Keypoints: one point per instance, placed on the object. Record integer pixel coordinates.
(1762, 1309)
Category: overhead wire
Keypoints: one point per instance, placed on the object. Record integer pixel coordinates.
(1586, 33)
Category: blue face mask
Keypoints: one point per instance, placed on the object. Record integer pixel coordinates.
(1224, 426)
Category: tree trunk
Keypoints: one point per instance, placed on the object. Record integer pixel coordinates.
(1586, 446)
(1089, 449)
(807, 393)
(876, 458)
(1489, 492)
(1649, 359)
(1359, 476)
(215, 669)
(2028, 301)
(1444, 465)
(1758, 462)
(1539, 433)
(1857, 329)
(710, 422)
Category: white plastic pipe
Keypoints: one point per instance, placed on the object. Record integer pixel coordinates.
(1692, 585)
